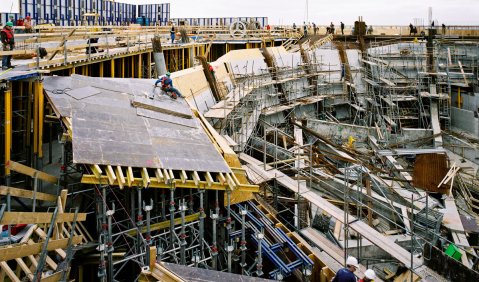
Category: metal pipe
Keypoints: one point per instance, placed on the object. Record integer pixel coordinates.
(259, 259)
(183, 208)
(214, 249)
(172, 217)
(243, 248)
(202, 223)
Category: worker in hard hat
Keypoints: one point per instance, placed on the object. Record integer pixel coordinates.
(167, 85)
(369, 276)
(8, 43)
(347, 274)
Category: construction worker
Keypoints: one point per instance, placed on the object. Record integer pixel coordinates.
(443, 29)
(369, 276)
(314, 29)
(411, 29)
(342, 28)
(28, 24)
(331, 28)
(167, 86)
(347, 274)
(8, 43)
(172, 33)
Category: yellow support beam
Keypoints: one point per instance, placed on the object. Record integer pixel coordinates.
(112, 67)
(140, 67)
(165, 224)
(189, 184)
(102, 68)
(8, 127)
(41, 106)
(123, 67)
(35, 117)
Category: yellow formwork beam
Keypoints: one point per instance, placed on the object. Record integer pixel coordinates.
(112, 68)
(35, 117)
(139, 66)
(41, 98)
(157, 183)
(123, 67)
(8, 126)
(102, 69)
(165, 224)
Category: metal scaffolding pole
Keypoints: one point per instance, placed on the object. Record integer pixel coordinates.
(182, 208)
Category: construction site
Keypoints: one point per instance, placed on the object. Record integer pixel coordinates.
(286, 153)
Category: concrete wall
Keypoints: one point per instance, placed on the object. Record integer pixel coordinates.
(465, 120)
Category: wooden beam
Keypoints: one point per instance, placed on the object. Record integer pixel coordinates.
(183, 176)
(23, 169)
(26, 250)
(38, 217)
(110, 174)
(96, 170)
(145, 177)
(129, 176)
(120, 177)
(209, 179)
(196, 178)
(26, 194)
(222, 178)
(172, 176)
(159, 175)
(167, 176)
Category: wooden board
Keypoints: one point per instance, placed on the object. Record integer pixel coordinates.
(23, 169)
(38, 217)
(27, 194)
(24, 250)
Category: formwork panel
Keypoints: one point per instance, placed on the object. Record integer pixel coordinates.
(109, 130)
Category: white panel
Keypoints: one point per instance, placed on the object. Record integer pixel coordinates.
(10, 6)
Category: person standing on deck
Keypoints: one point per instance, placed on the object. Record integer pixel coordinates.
(8, 43)
(342, 28)
(172, 33)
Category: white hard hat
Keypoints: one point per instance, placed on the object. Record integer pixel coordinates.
(352, 261)
(370, 274)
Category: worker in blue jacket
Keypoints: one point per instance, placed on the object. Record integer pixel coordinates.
(167, 85)
(347, 274)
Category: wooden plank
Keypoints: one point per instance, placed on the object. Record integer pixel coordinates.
(38, 217)
(23, 169)
(53, 278)
(23, 266)
(26, 194)
(25, 250)
(9, 272)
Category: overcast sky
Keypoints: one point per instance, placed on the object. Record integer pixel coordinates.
(377, 12)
